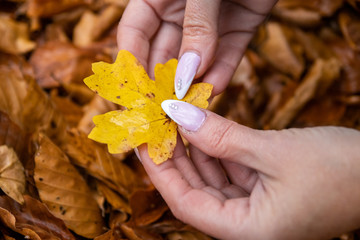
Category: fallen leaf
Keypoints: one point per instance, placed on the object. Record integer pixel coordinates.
(97, 162)
(32, 219)
(147, 206)
(126, 83)
(350, 25)
(47, 8)
(25, 102)
(320, 77)
(11, 135)
(112, 234)
(278, 51)
(91, 26)
(98, 105)
(14, 36)
(71, 111)
(56, 63)
(12, 176)
(64, 190)
(114, 199)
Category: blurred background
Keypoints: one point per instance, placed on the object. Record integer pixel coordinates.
(301, 69)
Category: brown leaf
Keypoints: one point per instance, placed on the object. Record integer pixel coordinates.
(298, 16)
(278, 51)
(64, 190)
(12, 176)
(350, 60)
(48, 8)
(96, 160)
(112, 234)
(116, 201)
(324, 7)
(92, 26)
(56, 63)
(320, 112)
(11, 135)
(14, 36)
(147, 207)
(70, 110)
(32, 219)
(318, 79)
(98, 105)
(25, 102)
(350, 27)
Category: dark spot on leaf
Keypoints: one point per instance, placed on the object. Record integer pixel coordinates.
(96, 92)
(41, 179)
(53, 124)
(125, 81)
(63, 212)
(112, 72)
(96, 85)
(61, 208)
(118, 97)
(57, 198)
(121, 85)
(150, 95)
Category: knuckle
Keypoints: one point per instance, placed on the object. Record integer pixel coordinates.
(197, 28)
(220, 138)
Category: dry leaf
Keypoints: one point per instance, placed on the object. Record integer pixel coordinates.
(147, 207)
(126, 83)
(71, 111)
(322, 73)
(64, 190)
(12, 176)
(94, 158)
(350, 27)
(14, 36)
(25, 102)
(56, 63)
(92, 26)
(47, 8)
(98, 105)
(32, 219)
(277, 50)
(116, 201)
(11, 135)
(112, 234)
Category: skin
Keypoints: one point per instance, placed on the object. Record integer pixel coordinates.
(158, 30)
(241, 183)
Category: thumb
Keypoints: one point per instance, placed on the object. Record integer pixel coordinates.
(199, 42)
(215, 135)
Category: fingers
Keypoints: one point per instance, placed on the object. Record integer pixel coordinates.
(199, 42)
(165, 45)
(197, 207)
(215, 135)
(214, 175)
(137, 26)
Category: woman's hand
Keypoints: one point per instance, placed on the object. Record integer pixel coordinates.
(207, 36)
(240, 183)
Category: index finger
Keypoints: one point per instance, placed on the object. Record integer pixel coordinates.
(136, 28)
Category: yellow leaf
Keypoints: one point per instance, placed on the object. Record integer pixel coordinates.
(126, 83)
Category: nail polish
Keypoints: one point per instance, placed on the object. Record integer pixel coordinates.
(186, 115)
(185, 73)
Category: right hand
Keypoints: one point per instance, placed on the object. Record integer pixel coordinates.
(241, 183)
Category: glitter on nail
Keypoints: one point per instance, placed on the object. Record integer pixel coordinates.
(173, 106)
(178, 85)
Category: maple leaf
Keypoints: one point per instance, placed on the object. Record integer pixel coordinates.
(126, 83)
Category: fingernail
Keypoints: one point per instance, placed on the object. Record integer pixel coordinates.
(137, 154)
(185, 73)
(184, 114)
